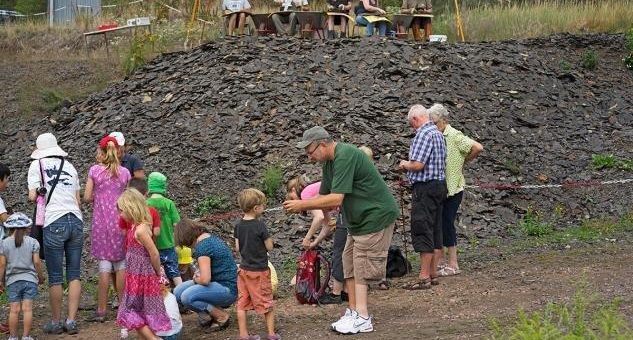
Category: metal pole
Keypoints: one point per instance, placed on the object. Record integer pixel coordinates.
(51, 12)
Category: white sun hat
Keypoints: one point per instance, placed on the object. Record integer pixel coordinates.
(46, 146)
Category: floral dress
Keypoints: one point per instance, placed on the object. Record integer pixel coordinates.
(142, 303)
(106, 237)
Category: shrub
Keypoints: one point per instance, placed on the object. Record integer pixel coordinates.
(610, 161)
(211, 204)
(532, 225)
(139, 52)
(628, 61)
(589, 59)
(629, 40)
(30, 6)
(271, 180)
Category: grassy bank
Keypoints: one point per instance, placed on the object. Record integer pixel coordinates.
(514, 19)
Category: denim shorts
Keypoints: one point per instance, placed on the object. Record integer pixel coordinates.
(169, 261)
(22, 290)
(63, 239)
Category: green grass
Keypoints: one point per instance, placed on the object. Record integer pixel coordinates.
(584, 318)
(591, 230)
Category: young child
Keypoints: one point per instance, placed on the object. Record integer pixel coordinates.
(140, 184)
(4, 214)
(171, 306)
(142, 308)
(184, 262)
(106, 181)
(232, 8)
(169, 216)
(253, 281)
(20, 257)
(4, 182)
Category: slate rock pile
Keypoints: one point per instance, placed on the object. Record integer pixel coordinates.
(213, 119)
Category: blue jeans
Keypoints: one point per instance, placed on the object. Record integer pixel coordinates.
(63, 238)
(369, 27)
(201, 298)
(172, 337)
(169, 261)
(22, 290)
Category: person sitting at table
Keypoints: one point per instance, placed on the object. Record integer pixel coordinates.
(367, 8)
(414, 7)
(235, 9)
(279, 19)
(338, 6)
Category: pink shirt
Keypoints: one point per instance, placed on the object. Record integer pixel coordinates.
(311, 191)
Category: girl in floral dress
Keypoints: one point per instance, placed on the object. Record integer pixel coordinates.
(142, 308)
(106, 181)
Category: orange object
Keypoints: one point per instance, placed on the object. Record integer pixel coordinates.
(107, 26)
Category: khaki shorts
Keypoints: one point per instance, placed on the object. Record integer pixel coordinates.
(365, 256)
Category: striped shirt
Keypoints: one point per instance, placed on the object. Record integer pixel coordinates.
(429, 148)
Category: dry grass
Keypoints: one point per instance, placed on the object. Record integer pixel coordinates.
(538, 18)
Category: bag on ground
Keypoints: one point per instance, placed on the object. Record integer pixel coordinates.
(397, 264)
(313, 274)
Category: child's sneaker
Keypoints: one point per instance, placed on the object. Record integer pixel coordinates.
(348, 314)
(124, 333)
(25, 338)
(70, 327)
(274, 337)
(14, 338)
(54, 328)
(355, 325)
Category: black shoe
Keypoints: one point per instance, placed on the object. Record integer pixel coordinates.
(344, 297)
(330, 299)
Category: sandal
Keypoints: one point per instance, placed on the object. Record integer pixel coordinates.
(448, 271)
(435, 281)
(217, 326)
(418, 285)
(383, 285)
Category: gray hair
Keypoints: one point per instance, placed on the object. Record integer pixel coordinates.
(438, 112)
(417, 110)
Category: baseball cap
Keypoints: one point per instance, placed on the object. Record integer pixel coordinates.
(312, 135)
(119, 137)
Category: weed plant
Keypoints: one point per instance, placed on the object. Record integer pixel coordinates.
(271, 181)
(211, 204)
(532, 225)
(589, 59)
(609, 161)
(583, 318)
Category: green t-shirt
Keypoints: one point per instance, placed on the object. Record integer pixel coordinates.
(169, 216)
(368, 205)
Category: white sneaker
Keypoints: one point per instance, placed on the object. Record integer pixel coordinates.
(355, 325)
(124, 333)
(348, 314)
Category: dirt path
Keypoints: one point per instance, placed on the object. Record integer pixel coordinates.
(462, 306)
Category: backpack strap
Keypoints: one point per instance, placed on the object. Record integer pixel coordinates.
(328, 273)
(56, 180)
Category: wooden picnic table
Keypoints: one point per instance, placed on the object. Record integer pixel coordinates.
(105, 32)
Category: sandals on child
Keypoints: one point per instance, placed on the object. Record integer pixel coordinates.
(383, 285)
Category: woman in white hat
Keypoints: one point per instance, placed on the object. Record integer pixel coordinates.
(52, 176)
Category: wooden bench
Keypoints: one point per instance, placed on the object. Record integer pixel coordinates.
(406, 20)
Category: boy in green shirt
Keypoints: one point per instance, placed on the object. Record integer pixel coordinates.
(169, 216)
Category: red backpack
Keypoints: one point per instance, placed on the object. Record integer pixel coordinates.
(310, 286)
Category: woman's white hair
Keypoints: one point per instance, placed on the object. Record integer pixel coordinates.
(438, 112)
(417, 110)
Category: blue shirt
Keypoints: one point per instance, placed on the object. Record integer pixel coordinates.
(429, 148)
(223, 267)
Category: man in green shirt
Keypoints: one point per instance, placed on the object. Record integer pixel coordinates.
(169, 217)
(350, 180)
